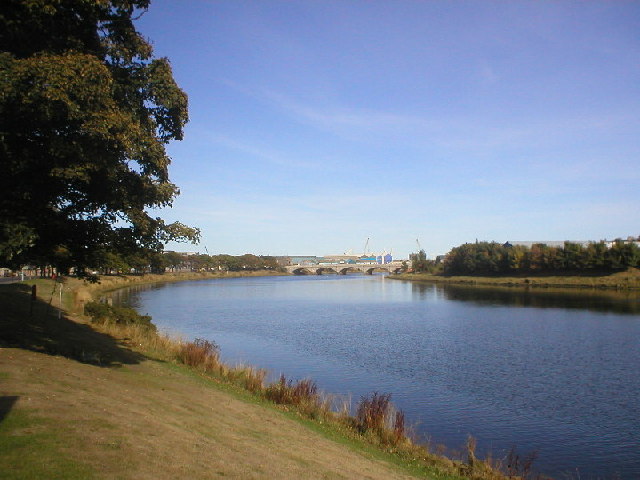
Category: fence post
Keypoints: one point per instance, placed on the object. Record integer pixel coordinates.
(33, 299)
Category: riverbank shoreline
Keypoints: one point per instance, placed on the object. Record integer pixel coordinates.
(83, 291)
(64, 344)
(627, 280)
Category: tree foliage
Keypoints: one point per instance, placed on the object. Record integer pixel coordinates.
(85, 114)
(491, 258)
(222, 262)
(420, 264)
(156, 262)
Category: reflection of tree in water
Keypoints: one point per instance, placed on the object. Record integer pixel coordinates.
(603, 301)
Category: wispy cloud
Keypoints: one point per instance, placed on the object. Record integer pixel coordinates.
(267, 154)
(450, 131)
(344, 120)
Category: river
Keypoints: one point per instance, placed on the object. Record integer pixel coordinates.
(547, 371)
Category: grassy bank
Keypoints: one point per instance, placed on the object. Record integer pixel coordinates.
(85, 399)
(627, 280)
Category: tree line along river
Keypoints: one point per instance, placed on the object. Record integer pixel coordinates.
(555, 372)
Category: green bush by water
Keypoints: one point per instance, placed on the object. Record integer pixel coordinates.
(104, 313)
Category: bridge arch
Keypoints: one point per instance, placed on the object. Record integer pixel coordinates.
(323, 270)
(350, 268)
(342, 269)
(379, 268)
(302, 271)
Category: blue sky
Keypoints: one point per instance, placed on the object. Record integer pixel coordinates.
(315, 125)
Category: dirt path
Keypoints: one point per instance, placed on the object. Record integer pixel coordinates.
(153, 420)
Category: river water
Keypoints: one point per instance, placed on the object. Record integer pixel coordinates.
(545, 371)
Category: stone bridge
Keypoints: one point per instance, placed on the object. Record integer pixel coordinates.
(342, 268)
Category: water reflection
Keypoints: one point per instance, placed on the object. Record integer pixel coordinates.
(586, 299)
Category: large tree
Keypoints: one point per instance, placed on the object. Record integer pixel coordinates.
(85, 114)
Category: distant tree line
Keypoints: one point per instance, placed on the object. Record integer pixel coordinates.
(491, 258)
(156, 262)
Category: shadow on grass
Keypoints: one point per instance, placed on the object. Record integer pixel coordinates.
(6, 404)
(40, 327)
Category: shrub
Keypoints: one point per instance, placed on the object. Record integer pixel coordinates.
(521, 467)
(97, 311)
(102, 312)
(279, 392)
(200, 353)
(251, 378)
(303, 392)
(373, 411)
(377, 416)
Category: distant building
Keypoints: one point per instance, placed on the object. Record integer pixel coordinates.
(384, 259)
(304, 260)
(340, 258)
(367, 260)
(348, 259)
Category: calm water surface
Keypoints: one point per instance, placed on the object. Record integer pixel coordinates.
(551, 372)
